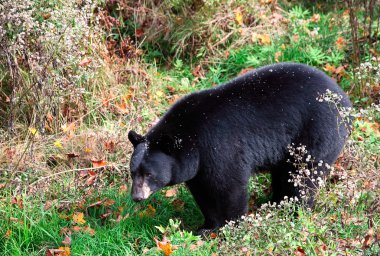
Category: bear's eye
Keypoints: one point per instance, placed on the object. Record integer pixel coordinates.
(148, 174)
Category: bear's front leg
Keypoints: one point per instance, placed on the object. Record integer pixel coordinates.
(219, 203)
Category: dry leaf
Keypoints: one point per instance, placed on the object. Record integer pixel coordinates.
(8, 233)
(277, 56)
(340, 43)
(109, 202)
(315, 18)
(109, 146)
(68, 128)
(264, 39)
(98, 163)
(299, 252)
(89, 230)
(239, 17)
(17, 200)
(67, 241)
(171, 192)
(123, 189)
(78, 218)
(329, 68)
(76, 229)
(85, 62)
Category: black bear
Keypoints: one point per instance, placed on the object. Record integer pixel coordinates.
(213, 140)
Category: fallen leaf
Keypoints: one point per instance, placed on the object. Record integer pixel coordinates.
(2, 185)
(178, 204)
(340, 43)
(368, 239)
(90, 180)
(329, 68)
(264, 39)
(89, 230)
(123, 189)
(213, 235)
(98, 163)
(76, 229)
(85, 62)
(108, 202)
(299, 252)
(164, 245)
(295, 38)
(66, 241)
(17, 200)
(171, 192)
(78, 218)
(139, 32)
(315, 18)
(122, 107)
(109, 146)
(277, 56)
(8, 233)
(239, 17)
(68, 128)
(65, 251)
(72, 155)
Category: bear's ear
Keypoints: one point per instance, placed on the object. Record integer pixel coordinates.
(135, 138)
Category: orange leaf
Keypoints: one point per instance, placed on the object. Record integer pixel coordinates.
(329, 68)
(65, 251)
(98, 163)
(76, 229)
(109, 202)
(213, 235)
(121, 107)
(264, 39)
(165, 246)
(340, 43)
(8, 233)
(316, 18)
(78, 218)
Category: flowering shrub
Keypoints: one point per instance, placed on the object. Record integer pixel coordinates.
(44, 48)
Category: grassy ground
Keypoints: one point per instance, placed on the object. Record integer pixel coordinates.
(84, 73)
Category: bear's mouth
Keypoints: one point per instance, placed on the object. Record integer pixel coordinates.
(141, 193)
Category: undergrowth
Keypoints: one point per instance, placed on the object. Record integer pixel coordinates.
(76, 76)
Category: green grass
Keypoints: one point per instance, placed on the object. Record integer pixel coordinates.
(347, 210)
(34, 229)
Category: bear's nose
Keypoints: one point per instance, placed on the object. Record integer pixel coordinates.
(137, 198)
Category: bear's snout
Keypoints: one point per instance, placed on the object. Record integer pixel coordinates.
(140, 190)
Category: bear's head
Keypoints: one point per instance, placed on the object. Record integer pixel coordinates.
(151, 167)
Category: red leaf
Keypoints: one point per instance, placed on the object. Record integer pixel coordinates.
(299, 252)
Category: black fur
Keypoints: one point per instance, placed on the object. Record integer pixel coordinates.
(215, 139)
